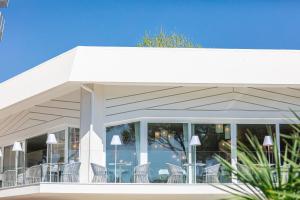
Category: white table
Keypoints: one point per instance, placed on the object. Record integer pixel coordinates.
(120, 166)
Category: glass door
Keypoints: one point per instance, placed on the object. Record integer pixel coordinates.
(167, 146)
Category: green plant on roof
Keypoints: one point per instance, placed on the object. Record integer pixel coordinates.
(163, 39)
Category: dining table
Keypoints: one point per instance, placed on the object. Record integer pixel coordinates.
(120, 169)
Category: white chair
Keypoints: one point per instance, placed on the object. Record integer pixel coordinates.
(141, 173)
(9, 178)
(176, 174)
(284, 173)
(70, 172)
(33, 174)
(211, 174)
(100, 173)
(47, 170)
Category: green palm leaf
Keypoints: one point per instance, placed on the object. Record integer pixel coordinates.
(256, 179)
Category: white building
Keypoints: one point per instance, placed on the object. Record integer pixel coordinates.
(155, 100)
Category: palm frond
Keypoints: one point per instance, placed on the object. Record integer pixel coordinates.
(257, 178)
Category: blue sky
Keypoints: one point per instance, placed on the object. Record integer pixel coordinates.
(37, 30)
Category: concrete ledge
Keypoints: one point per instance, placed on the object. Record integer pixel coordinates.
(113, 191)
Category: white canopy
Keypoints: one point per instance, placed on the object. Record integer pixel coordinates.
(151, 66)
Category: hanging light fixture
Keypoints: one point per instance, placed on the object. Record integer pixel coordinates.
(219, 128)
(164, 133)
(227, 132)
(157, 134)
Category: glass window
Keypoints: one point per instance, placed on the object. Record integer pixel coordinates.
(73, 148)
(58, 150)
(258, 130)
(213, 138)
(1, 160)
(167, 143)
(9, 159)
(288, 130)
(127, 153)
(36, 150)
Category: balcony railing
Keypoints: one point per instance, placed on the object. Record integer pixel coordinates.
(169, 167)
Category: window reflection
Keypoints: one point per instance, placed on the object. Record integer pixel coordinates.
(73, 145)
(58, 150)
(1, 162)
(288, 130)
(36, 150)
(213, 138)
(9, 159)
(127, 153)
(257, 130)
(167, 143)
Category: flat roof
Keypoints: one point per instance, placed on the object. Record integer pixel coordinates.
(153, 66)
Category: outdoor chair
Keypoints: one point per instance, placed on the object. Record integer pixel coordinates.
(33, 174)
(211, 174)
(284, 174)
(70, 172)
(141, 173)
(100, 173)
(47, 170)
(9, 178)
(176, 174)
(44, 172)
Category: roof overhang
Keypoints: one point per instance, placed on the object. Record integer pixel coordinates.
(150, 66)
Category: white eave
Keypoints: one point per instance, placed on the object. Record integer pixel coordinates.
(152, 66)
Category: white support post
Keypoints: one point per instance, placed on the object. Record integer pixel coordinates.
(233, 128)
(143, 142)
(16, 166)
(85, 122)
(277, 132)
(190, 171)
(66, 145)
(92, 130)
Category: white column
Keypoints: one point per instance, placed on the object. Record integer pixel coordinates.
(190, 171)
(277, 132)
(143, 142)
(233, 128)
(85, 123)
(92, 130)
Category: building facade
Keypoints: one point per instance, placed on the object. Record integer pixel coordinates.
(123, 120)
